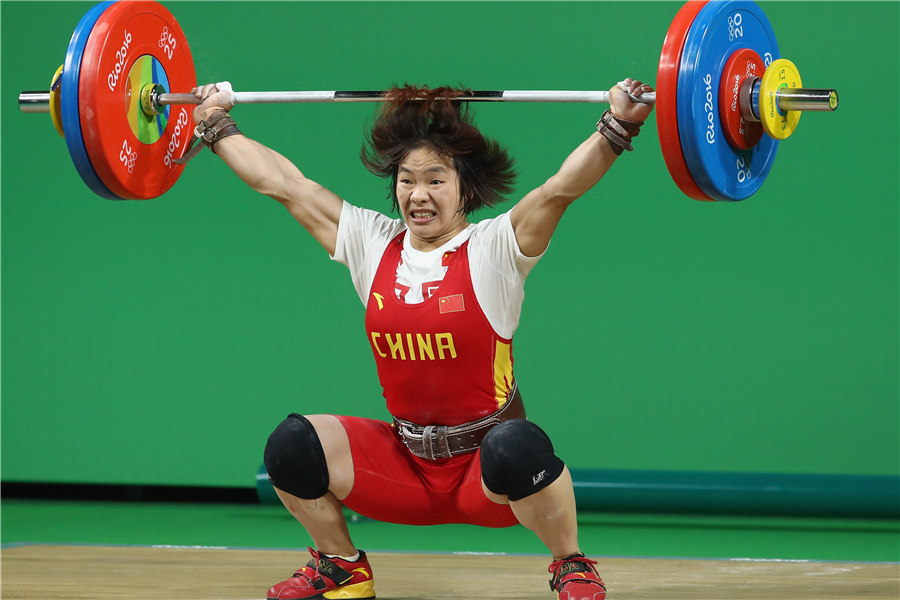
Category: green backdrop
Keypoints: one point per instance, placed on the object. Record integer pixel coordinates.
(159, 342)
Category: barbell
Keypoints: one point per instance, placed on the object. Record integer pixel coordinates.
(724, 100)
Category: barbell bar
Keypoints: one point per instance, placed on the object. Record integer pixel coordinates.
(720, 85)
(786, 99)
(39, 101)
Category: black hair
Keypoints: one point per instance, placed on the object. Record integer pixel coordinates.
(415, 117)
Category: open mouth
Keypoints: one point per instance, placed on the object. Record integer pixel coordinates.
(422, 216)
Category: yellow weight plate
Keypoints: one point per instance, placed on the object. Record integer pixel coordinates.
(781, 74)
(55, 105)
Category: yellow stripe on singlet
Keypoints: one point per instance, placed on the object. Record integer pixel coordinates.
(503, 372)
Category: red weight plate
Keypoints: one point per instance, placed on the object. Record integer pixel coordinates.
(740, 133)
(666, 104)
(132, 44)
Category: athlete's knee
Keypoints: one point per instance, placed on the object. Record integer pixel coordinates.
(517, 459)
(295, 460)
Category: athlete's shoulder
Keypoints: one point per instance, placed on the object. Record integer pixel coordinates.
(496, 226)
(366, 219)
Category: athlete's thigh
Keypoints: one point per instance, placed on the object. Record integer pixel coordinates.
(387, 483)
(392, 485)
(336, 445)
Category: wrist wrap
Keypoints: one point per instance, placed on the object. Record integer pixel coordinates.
(619, 132)
(218, 126)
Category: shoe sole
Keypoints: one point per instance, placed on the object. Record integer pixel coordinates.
(364, 590)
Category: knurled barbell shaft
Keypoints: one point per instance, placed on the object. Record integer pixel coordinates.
(39, 101)
(376, 96)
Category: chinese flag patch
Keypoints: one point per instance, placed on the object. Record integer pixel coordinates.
(445, 259)
(452, 303)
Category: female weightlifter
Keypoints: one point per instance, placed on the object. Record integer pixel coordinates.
(442, 298)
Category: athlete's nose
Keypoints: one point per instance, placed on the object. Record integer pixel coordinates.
(419, 194)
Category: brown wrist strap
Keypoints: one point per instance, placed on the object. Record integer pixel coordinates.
(619, 132)
(219, 126)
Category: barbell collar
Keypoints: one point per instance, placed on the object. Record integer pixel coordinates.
(748, 99)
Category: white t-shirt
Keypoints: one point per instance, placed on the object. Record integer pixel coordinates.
(497, 266)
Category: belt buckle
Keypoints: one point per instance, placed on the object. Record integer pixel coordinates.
(434, 442)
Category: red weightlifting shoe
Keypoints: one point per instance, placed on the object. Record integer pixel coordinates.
(327, 578)
(575, 578)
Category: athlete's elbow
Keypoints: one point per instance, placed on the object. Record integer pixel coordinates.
(561, 191)
(293, 192)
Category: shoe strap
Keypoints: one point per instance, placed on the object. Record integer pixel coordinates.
(327, 568)
(574, 563)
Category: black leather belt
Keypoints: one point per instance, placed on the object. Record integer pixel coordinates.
(443, 441)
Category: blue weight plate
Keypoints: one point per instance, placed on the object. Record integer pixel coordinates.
(69, 99)
(719, 30)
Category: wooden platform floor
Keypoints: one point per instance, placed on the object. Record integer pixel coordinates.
(168, 573)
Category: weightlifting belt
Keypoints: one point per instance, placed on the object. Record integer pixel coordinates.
(442, 441)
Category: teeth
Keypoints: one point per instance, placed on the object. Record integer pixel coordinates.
(423, 214)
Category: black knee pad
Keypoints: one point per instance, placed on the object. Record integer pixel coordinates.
(295, 460)
(517, 459)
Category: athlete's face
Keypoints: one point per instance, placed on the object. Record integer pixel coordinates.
(429, 200)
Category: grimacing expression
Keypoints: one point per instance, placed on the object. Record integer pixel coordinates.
(428, 194)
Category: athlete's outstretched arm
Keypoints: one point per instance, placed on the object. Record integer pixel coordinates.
(268, 172)
(536, 216)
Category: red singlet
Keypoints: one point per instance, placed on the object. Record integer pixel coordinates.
(440, 363)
